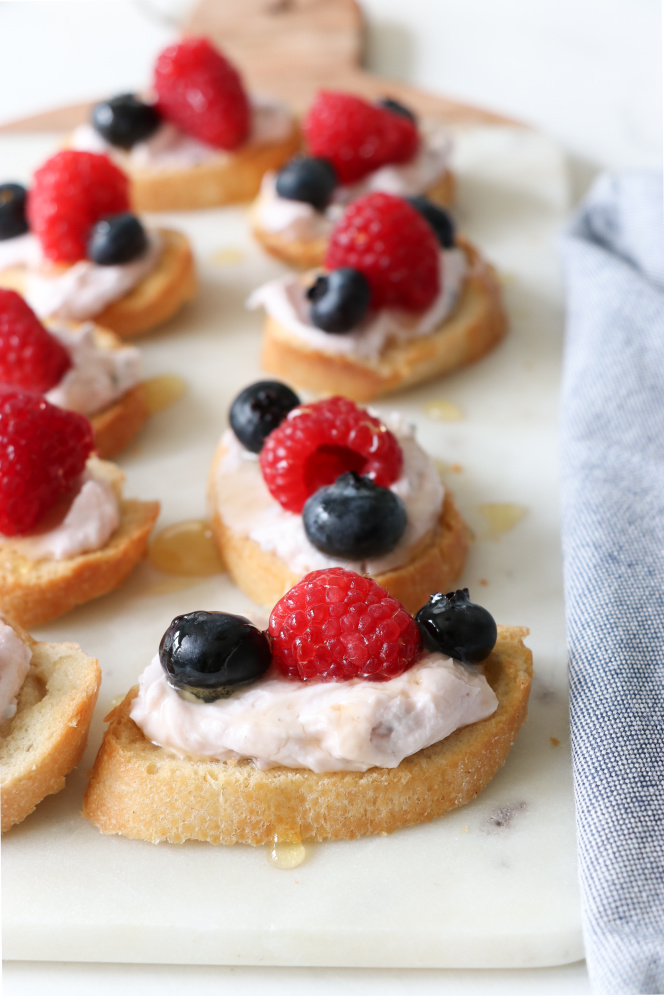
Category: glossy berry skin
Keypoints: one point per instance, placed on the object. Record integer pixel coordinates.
(307, 179)
(335, 625)
(453, 625)
(202, 93)
(440, 220)
(30, 357)
(387, 240)
(43, 451)
(318, 442)
(210, 654)
(69, 194)
(388, 104)
(125, 120)
(339, 300)
(354, 518)
(117, 239)
(12, 210)
(259, 410)
(357, 137)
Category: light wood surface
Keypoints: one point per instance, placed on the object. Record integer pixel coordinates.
(288, 49)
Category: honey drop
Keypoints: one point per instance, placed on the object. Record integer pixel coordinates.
(286, 856)
(443, 411)
(500, 517)
(186, 548)
(160, 392)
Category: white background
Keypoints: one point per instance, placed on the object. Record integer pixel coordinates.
(586, 72)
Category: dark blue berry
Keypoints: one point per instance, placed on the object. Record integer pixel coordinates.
(258, 410)
(307, 179)
(339, 300)
(393, 105)
(210, 654)
(12, 210)
(453, 625)
(440, 220)
(117, 239)
(354, 518)
(124, 120)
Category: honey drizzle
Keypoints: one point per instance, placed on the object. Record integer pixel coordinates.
(500, 517)
(187, 549)
(286, 856)
(160, 392)
(443, 411)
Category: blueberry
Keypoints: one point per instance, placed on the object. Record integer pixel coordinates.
(125, 120)
(12, 210)
(117, 239)
(258, 410)
(339, 300)
(210, 654)
(393, 105)
(307, 179)
(354, 518)
(453, 625)
(440, 220)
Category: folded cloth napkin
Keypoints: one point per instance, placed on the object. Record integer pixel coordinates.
(612, 456)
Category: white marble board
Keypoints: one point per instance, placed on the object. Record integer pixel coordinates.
(490, 885)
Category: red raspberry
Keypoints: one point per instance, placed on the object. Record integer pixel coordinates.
(30, 357)
(385, 238)
(316, 443)
(202, 93)
(69, 194)
(335, 625)
(43, 450)
(357, 137)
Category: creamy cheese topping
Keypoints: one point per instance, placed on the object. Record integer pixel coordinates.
(170, 148)
(15, 657)
(98, 376)
(81, 523)
(247, 508)
(22, 250)
(301, 222)
(323, 726)
(84, 289)
(285, 300)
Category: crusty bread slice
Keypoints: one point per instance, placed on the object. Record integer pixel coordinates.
(44, 741)
(226, 179)
(117, 425)
(34, 592)
(434, 564)
(310, 254)
(142, 791)
(153, 301)
(476, 325)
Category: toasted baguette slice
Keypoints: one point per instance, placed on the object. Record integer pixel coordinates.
(226, 179)
(44, 741)
(116, 426)
(142, 791)
(435, 562)
(34, 592)
(310, 254)
(153, 301)
(476, 325)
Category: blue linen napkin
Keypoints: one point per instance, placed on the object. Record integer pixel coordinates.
(612, 461)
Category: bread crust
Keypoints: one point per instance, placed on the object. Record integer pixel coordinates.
(153, 301)
(435, 562)
(228, 179)
(142, 791)
(46, 738)
(476, 325)
(117, 425)
(310, 254)
(35, 592)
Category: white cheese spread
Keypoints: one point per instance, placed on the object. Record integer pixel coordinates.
(248, 509)
(98, 376)
(285, 300)
(15, 657)
(323, 726)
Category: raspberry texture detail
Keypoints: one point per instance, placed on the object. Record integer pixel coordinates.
(387, 240)
(30, 357)
(202, 93)
(43, 451)
(318, 442)
(70, 193)
(357, 137)
(335, 625)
